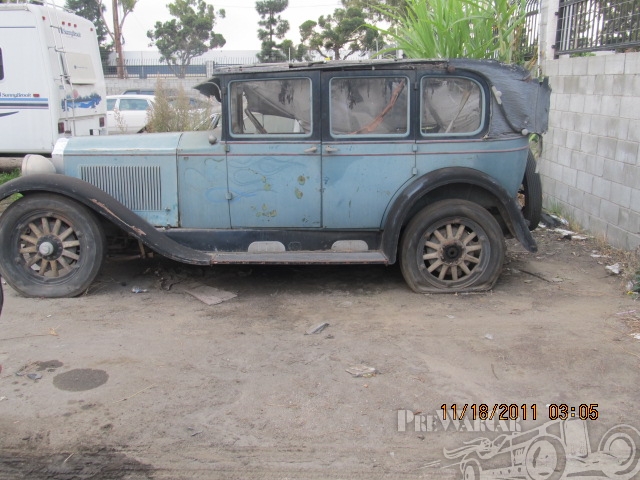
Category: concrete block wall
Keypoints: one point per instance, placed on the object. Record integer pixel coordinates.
(117, 85)
(590, 164)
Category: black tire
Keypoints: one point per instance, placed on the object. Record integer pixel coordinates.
(545, 459)
(452, 246)
(51, 246)
(531, 191)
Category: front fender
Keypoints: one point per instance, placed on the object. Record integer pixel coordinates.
(108, 207)
(396, 216)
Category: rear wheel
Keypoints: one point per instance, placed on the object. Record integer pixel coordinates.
(51, 246)
(452, 245)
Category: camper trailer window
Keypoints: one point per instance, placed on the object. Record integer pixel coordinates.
(1, 66)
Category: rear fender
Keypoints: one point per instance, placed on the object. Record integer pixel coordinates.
(398, 213)
(108, 207)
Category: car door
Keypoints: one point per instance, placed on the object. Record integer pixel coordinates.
(132, 113)
(368, 147)
(273, 154)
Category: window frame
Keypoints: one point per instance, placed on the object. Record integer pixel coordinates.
(314, 108)
(484, 114)
(1, 65)
(377, 75)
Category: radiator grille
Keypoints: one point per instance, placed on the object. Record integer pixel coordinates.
(136, 187)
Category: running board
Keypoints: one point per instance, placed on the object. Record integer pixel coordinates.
(299, 258)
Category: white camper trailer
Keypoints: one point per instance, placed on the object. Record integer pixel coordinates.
(51, 80)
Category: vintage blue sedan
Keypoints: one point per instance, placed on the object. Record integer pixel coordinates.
(411, 161)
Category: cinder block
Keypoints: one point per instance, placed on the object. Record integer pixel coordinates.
(565, 66)
(569, 176)
(621, 195)
(576, 197)
(609, 212)
(633, 243)
(563, 102)
(597, 225)
(626, 152)
(564, 157)
(555, 171)
(593, 104)
(574, 140)
(634, 131)
(571, 85)
(607, 147)
(631, 84)
(614, 64)
(591, 204)
(632, 63)
(614, 171)
(583, 123)
(560, 137)
(589, 144)
(610, 106)
(601, 188)
(584, 181)
(578, 161)
(568, 120)
(632, 178)
(617, 237)
(579, 66)
(635, 199)
(576, 102)
(630, 107)
(562, 192)
(596, 65)
(629, 221)
(595, 165)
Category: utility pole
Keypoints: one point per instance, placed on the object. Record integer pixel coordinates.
(117, 40)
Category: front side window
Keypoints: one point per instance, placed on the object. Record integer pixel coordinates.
(111, 103)
(451, 106)
(369, 106)
(271, 107)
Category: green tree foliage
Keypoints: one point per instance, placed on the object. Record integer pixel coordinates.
(273, 27)
(93, 10)
(340, 35)
(293, 52)
(188, 35)
(375, 10)
(459, 28)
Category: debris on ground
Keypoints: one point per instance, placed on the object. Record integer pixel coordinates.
(489, 336)
(569, 235)
(363, 371)
(633, 287)
(317, 329)
(210, 295)
(552, 221)
(614, 269)
(34, 376)
(139, 290)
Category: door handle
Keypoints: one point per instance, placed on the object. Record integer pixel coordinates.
(313, 149)
(330, 149)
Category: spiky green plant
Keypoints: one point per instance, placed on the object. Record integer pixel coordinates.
(457, 28)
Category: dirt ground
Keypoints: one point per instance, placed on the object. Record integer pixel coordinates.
(159, 385)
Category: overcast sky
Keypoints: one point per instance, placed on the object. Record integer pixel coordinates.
(239, 27)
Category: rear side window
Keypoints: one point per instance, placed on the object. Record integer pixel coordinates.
(133, 104)
(271, 107)
(451, 106)
(369, 106)
(1, 66)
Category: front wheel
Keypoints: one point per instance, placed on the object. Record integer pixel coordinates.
(452, 245)
(51, 246)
